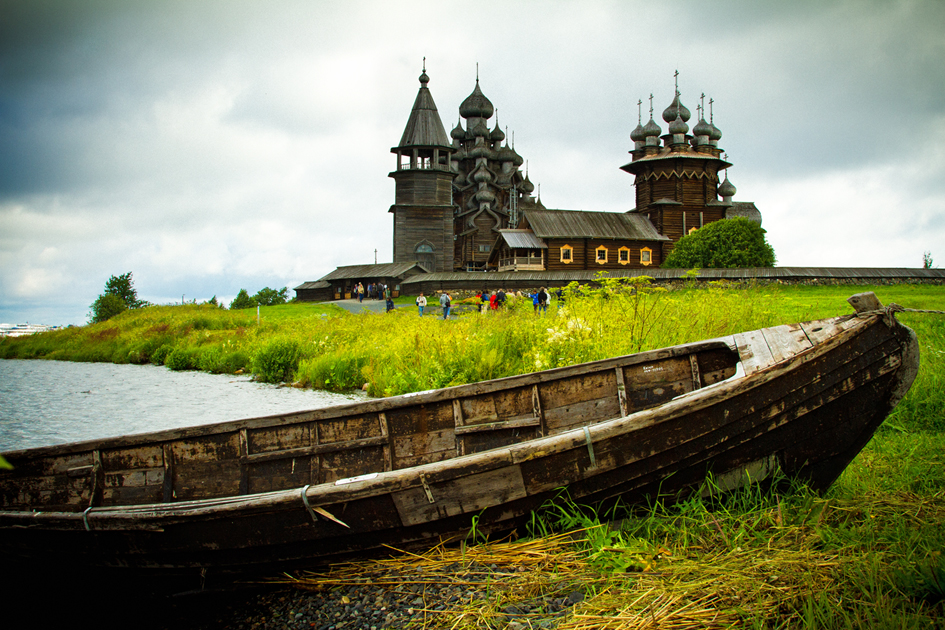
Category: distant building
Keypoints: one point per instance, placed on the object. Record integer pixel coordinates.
(677, 182)
(567, 240)
(462, 203)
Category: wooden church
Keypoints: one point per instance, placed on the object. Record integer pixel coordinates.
(462, 202)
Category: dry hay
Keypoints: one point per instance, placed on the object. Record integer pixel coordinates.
(728, 570)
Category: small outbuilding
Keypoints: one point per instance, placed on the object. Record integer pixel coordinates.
(561, 240)
(339, 284)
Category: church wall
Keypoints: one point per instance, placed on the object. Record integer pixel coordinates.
(554, 254)
(423, 187)
(663, 189)
(584, 254)
(693, 191)
(415, 225)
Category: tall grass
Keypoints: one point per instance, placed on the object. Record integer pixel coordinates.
(867, 554)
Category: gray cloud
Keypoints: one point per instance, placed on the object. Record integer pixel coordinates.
(213, 146)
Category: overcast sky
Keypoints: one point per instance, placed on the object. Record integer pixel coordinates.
(212, 146)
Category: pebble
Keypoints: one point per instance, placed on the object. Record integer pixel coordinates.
(366, 606)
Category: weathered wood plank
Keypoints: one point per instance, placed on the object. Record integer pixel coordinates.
(621, 391)
(465, 495)
(538, 411)
(785, 341)
(579, 389)
(318, 449)
(589, 411)
(511, 423)
(820, 331)
(696, 376)
(753, 351)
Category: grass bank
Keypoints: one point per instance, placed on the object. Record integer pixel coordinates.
(867, 554)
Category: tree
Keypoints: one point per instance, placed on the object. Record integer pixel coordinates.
(926, 260)
(119, 296)
(736, 242)
(105, 307)
(123, 287)
(270, 297)
(242, 300)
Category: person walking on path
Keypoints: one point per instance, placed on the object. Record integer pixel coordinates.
(445, 303)
(542, 301)
(421, 302)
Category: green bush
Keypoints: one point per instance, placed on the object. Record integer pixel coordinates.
(277, 360)
(181, 359)
(736, 242)
(334, 371)
(159, 356)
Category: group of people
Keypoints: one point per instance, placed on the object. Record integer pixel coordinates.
(376, 291)
(486, 301)
(446, 302)
(373, 291)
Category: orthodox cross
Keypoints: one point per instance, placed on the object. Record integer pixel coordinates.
(651, 105)
(676, 77)
(710, 110)
(639, 111)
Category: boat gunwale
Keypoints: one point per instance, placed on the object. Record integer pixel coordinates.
(373, 406)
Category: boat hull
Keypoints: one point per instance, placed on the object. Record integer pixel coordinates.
(810, 398)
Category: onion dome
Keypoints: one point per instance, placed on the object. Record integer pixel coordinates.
(638, 134)
(714, 133)
(424, 78)
(527, 185)
(485, 196)
(702, 128)
(517, 159)
(476, 105)
(727, 188)
(458, 132)
(676, 108)
(497, 134)
(652, 128)
(480, 130)
(678, 126)
(481, 150)
(505, 154)
(482, 174)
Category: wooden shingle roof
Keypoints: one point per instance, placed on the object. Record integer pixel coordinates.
(384, 270)
(579, 224)
(522, 239)
(424, 127)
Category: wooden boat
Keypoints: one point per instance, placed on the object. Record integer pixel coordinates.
(257, 495)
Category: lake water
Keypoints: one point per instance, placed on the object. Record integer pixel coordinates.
(52, 402)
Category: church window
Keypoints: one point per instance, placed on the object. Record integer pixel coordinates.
(425, 256)
(623, 255)
(646, 256)
(567, 254)
(601, 255)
